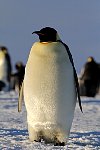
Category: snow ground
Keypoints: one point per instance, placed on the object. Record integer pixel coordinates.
(85, 131)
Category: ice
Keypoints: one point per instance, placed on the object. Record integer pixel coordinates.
(85, 131)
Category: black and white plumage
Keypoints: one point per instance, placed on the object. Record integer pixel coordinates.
(89, 78)
(50, 87)
(18, 76)
(5, 67)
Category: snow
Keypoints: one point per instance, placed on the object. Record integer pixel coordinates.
(85, 131)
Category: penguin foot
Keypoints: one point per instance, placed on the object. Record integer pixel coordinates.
(59, 144)
(34, 135)
(39, 140)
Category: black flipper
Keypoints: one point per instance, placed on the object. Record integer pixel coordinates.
(75, 74)
(20, 99)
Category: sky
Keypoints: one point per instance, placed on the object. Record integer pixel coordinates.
(77, 22)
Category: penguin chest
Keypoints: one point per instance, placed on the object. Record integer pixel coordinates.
(3, 69)
(49, 87)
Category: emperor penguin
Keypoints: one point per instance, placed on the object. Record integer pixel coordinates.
(5, 67)
(50, 89)
(17, 77)
(89, 79)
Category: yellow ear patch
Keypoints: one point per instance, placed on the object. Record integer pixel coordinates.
(90, 59)
(5, 51)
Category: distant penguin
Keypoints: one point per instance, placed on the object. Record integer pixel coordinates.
(20, 72)
(5, 68)
(89, 78)
(2, 85)
(18, 76)
(50, 89)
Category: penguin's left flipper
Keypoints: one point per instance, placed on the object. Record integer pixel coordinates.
(75, 74)
(20, 98)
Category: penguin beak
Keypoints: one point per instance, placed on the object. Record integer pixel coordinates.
(37, 32)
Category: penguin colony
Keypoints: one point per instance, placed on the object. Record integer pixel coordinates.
(50, 89)
(8, 79)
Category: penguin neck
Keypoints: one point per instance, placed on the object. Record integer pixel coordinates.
(46, 42)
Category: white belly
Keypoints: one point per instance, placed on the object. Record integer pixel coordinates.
(3, 70)
(49, 90)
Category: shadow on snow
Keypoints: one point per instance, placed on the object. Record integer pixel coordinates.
(77, 138)
(86, 138)
(91, 101)
(13, 133)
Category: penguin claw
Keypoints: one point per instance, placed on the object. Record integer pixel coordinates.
(37, 140)
(59, 144)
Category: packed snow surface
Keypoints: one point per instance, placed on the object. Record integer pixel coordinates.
(85, 131)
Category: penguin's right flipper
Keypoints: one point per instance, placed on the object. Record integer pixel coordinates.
(20, 98)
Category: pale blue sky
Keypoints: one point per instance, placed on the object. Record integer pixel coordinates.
(77, 21)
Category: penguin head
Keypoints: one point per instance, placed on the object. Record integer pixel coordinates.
(4, 49)
(90, 59)
(47, 34)
(19, 65)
